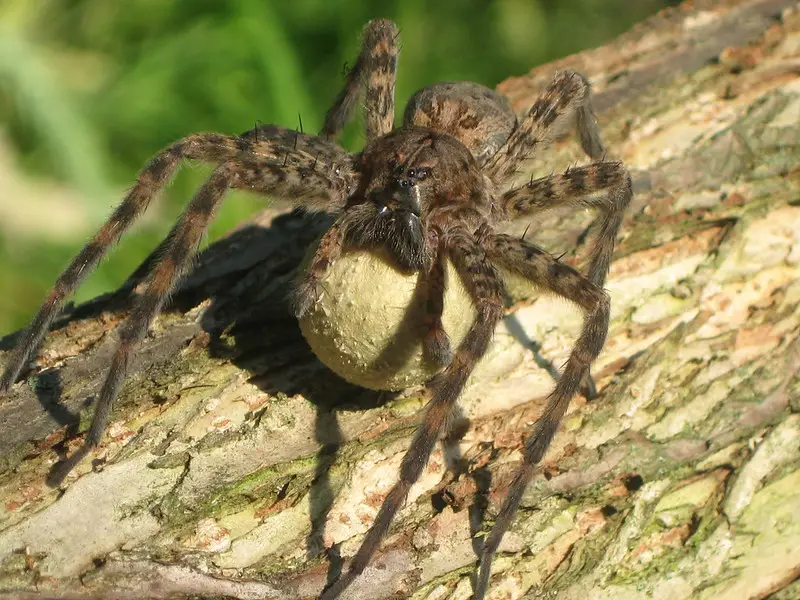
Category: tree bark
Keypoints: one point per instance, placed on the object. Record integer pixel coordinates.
(234, 458)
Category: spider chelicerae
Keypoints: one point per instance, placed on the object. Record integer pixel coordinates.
(425, 193)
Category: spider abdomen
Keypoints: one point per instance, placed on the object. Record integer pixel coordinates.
(477, 116)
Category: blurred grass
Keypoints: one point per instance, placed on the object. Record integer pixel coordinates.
(91, 89)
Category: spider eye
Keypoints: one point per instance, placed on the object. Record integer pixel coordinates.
(418, 174)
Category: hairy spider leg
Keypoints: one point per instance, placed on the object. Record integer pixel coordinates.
(546, 271)
(375, 73)
(602, 186)
(436, 341)
(329, 248)
(208, 147)
(485, 287)
(297, 183)
(265, 141)
(566, 99)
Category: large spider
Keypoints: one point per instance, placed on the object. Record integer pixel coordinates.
(426, 192)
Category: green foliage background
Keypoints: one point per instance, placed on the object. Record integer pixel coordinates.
(91, 89)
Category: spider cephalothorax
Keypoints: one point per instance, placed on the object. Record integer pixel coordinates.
(427, 195)
(414, 179)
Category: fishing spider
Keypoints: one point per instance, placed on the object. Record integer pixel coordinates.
(426, 192)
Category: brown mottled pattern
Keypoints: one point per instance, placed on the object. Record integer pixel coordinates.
(478, 117)
(375, 70)
(307, 285)
(566, 98)
(547, 272)
(436, 341)
(306, 186)
(485, 287)
(289, 145)
(159, 284)
(151, 180)
(426, 192)
(603, 186)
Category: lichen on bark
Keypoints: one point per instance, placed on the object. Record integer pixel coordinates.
(235, 459)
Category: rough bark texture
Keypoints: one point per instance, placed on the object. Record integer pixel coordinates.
(235, 458)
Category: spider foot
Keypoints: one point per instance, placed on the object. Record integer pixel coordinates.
(437, 346)
(590, 138)
(588, 386)
(306, 294)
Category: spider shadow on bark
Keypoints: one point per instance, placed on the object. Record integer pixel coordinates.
(245, 279)
(254, 328)
(263, 326)
(263, 336)
(48, 389)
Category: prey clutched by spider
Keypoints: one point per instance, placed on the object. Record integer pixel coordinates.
(416, 213)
